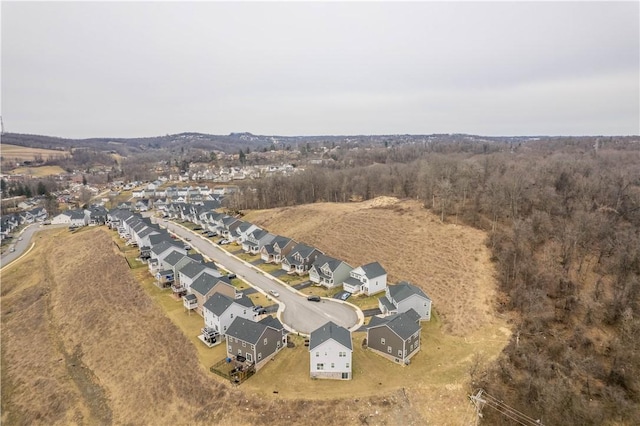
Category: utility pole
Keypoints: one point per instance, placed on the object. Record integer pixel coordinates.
(481, 398)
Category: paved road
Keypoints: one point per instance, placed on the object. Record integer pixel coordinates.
(299, 313)
(22, 245)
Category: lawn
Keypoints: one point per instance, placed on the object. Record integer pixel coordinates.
(248, 257)
(293, 279)
(321, 291)
(269, 267)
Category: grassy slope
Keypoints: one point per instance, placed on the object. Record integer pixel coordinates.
(102, 334)
(450, 263)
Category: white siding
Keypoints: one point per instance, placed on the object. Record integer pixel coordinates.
(223, 322)
(376, 285)
(328, 354)
(418, 304)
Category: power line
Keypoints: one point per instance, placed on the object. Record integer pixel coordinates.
(482, 399)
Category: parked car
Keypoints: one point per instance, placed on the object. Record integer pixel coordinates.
(257, 307)
(313, 298)
(12, 249)
(223, 241)
(274, 293)
(345, 295)
(198, 228)
(187, 248)
(232, 276)
(187, 239)
(261, 311)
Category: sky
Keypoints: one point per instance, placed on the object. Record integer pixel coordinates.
(124, 69)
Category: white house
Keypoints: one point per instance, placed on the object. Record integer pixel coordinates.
(368, 279)
(71, 218)
(330, 351)
(220, 311)
(403, 296)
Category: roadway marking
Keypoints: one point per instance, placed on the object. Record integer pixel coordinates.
(18, 258)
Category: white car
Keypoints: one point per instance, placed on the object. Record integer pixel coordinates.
(274, 293)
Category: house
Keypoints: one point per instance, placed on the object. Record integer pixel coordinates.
(71, 218)
(257, 342)
(277, 249)
(328, 271)
(206, 285)
(220, 311)
(193, 270)
(396, 337)
(368, 279)
(255, 240)
(403, 296)
(330, 351)
(159, 251)
(300, 259)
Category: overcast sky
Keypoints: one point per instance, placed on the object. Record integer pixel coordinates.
(144, 69)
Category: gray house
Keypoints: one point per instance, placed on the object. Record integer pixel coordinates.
(256, 342)
(300, 259)
(206, 285)
(277, 249)
(404, 296)
(328, 271)
(255, 240)
(396, 337)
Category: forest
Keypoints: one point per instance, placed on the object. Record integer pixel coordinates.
(563, 222)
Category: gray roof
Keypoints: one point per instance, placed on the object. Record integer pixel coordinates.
(204, 283)
(173, 258)
(272, 322)
(219, 303)
(164, 245)
(373, 270)
(327, 332)
(304, 250)
(190, 297)
(281, 241)
(404, 325)
(162, 235)
(193, 269)
(404, 290)
(246, 330)
(387, 303)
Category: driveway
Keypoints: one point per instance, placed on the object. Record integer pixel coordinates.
(299, 313)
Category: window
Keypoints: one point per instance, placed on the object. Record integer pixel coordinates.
(333, 365)
(278, 344)
(342, 354)
(347, 365)
(259, 356)
(345, 375)
(235, 340)
(229, 349)
(231, 315)
(411, 347)
(317, 354)
(319, 366)
(389, 349)
(239, 351)
(382, 341)
(245, 312)
(249, 357)
(244, 344)
(265, 341)
(400, 352)
(252, 348)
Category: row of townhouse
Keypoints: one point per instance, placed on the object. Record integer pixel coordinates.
(11, 222)
(153, 190)
(227, 313)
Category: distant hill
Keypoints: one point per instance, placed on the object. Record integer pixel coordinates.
(234, 141)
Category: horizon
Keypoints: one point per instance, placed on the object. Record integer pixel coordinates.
(80, 69)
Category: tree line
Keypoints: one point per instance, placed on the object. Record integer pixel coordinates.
(563, 224)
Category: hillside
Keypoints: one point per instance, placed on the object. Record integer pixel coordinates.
(449, 262)
(73, 308)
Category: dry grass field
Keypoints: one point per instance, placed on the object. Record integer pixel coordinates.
(87, 340)
(40, 171)
(16, 152)
(449, 262)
